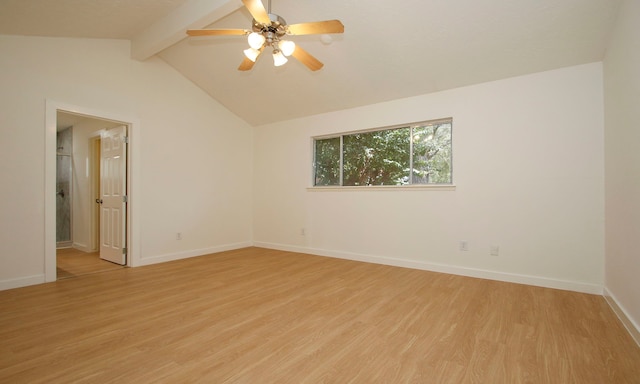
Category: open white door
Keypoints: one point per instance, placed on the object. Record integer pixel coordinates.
(113, 195)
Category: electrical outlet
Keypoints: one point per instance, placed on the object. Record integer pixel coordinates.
(464, 245)
(179, 236)
(494, 250)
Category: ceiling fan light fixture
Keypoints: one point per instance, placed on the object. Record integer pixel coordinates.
(251, 54)
(287, 47)
(268, 31)
(256, 40)
(278, 58)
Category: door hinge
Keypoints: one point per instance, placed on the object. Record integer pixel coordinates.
(125, 139)
(124, 250)
(125, 199)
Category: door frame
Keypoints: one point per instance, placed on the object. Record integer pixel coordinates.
(133, 173)
(94, 161)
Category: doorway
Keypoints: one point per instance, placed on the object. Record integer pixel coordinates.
(80, 167)
(84, 220)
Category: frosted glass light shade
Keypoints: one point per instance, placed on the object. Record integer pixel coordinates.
(278, 58)
(252, 54)
(255, 40)
(287, 47)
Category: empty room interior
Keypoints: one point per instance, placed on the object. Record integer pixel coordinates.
(286, 191)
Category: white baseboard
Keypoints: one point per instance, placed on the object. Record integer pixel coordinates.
(435, 267)
(21, 282)
(627, 321)
(191, 253)
(83, 247)
(445, 268)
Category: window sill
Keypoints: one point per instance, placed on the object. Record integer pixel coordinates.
(432, 187)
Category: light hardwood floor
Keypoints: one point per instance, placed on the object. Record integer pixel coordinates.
(72, 262)
(265, 316)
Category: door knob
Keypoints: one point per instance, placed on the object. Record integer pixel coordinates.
(99, 201)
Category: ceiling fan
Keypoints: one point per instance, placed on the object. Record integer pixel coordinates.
(269, 30)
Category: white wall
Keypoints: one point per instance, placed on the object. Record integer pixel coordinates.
(622, 164)
(529, 174)
(193, 153)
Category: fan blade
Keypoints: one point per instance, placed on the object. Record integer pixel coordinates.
(317, 27)
(256, 9)
(307, 59)
(216, 32)
(247, 64)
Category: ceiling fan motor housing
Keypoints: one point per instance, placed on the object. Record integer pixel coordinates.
(277, 28)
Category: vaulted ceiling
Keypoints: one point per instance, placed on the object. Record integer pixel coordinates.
(390, 49)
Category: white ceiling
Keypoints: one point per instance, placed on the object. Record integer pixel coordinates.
(106, 19)
(68, 119)
(390, 49)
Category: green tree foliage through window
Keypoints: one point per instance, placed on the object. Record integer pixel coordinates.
(377, 158)
(417, 154)
(327, 163)
(432, 154)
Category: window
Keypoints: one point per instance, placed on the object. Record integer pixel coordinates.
(403, 155)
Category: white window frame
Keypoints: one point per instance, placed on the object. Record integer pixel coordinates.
(432, 186)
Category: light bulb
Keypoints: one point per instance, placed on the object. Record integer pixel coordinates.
(278, 58)
(287, 47)
(255, 40)
(252, 54)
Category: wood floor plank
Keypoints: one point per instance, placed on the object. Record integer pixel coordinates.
(71, 262)
(264, 316)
